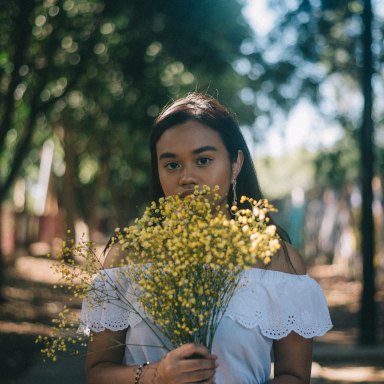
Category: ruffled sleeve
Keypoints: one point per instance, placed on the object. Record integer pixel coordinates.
(279, 303)
(110, 303)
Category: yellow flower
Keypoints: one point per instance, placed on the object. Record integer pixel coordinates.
(184, 258)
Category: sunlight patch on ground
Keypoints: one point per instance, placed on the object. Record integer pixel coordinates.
(34, 269)
(24, 328)
(338, 291)
(41, 270)
(353, 374)
(343, 337)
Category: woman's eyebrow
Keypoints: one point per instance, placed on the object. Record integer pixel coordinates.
(167, 155)
(204, 149)
(170, 155)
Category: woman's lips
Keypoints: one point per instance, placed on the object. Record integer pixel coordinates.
(186, 193)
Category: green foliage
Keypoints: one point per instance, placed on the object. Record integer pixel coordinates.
(333, 167)
(93, 75)
(338, 165)
(314, 51)
(42, 62)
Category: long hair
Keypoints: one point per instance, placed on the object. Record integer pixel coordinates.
(208, 111)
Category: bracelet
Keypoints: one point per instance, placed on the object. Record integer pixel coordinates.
(139, 371)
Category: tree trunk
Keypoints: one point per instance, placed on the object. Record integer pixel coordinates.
(368, 307)
(2, 272)
(69, 195)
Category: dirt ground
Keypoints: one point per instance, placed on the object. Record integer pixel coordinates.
(31, 303)
(338, 357)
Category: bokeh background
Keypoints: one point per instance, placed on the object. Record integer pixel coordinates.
(81, 82)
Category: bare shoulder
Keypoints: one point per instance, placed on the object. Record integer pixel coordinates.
(114, 256)
(288, 260)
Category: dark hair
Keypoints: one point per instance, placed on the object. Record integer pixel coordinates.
(208, 111)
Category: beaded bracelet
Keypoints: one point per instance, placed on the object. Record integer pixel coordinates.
(139, 371)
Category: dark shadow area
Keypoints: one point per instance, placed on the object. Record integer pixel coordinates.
(17, 354)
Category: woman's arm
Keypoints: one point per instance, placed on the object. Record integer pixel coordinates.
(293, 354)
(293, 359)
(103, 363)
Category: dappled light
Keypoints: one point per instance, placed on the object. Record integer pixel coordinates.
(81, 83)
(31, 303)
(351, 374)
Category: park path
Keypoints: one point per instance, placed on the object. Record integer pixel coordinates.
(338, 359)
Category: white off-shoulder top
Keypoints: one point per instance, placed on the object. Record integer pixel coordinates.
(267, 306)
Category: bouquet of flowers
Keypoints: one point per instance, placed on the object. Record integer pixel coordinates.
(185, 257)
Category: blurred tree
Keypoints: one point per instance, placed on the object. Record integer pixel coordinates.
(316, 51)
(147, 54)
(368, 311)
(93, 75)
(39, 64)
(45, 48)
(338, 165)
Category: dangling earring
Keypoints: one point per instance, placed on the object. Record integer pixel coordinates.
(234, 202)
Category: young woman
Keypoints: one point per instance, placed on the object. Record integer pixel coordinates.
(196, 141)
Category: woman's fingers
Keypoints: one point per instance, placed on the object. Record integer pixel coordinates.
(200, 376)
(187, 350)
(195, 357)
(179, 366)
(189, 365)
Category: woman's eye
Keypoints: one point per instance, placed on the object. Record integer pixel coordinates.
(204, 161)
(172, 166)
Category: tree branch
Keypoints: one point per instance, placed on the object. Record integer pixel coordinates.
(20, 36)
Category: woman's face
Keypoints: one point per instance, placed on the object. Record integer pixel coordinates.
(192, 154)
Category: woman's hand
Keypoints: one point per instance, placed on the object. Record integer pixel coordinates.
(177, 367)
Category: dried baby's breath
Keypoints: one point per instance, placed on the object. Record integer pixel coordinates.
(188, 256)
(183, 258)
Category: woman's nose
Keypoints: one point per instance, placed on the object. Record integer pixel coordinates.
(187, 176)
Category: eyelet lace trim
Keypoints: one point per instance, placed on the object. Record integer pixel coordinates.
(276, 302)
(110, 304)
(279, 303)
